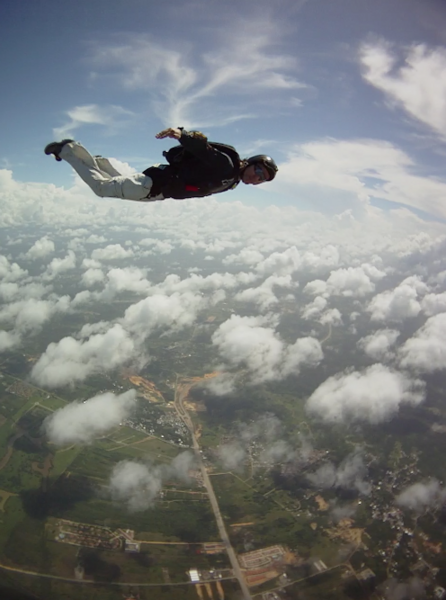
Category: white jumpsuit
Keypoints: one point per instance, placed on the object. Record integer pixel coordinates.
(103, 178)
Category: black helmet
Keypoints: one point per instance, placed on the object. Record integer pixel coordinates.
(266, 161)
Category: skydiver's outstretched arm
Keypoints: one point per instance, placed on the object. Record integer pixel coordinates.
(197, 144)
(171, 132)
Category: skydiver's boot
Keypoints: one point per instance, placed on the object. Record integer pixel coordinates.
(55, 147)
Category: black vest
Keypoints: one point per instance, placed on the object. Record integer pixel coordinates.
(169, 180)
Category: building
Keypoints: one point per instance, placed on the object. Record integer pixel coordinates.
(194, 575)
(131, 546)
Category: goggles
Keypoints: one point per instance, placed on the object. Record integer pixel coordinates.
(260, 172)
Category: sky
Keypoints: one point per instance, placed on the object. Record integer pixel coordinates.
(348, 96)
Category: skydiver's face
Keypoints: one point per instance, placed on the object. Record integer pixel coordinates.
(255, 174)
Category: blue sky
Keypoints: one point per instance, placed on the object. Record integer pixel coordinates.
(304, 80)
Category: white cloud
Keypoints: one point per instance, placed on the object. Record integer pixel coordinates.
(232, 456)
(350, 475)
(60, 265)
(111, 252)
(69, 360)
(315, 308)
(378, 345)
(280, 263)
(29, 315)
(245, 340)
(264, 432)
(317, 287)
(110, 117)
(421, 496)
(9, 340)
(92, 276)
(137, 485)
(305, 351)
(83, 422)
(41, 248)
(419, 86)
(250, 342)
(129, 279)
(10, 271)
(342, 176)
(433, 304)
(372, 395)
(400, 303)
(263, 295)
(425, 352)
(246, 256)
(331, 317)
(353, 282)
(186, 91)
(159, 311)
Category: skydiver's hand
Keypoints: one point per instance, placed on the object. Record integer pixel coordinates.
(171, 132)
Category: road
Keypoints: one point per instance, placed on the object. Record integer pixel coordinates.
(104, 583)
(181, 392)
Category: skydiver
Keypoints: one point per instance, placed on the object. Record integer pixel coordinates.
(196, 168)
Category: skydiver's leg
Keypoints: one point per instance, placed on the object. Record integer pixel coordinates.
(106, 167)
(103, 184)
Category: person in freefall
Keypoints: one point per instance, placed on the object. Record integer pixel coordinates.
(195, 168)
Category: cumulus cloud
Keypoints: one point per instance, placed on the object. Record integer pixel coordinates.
(10, 271)
(378, 345)
(137, 484)
(400, 303)
(250, 342)
(92, 276)
(111, 252)
(247, 256)
(41, 248)
(9, 340)
(160, 311)
(71, 360)
(421, 496)
(83, 422)
(315, 308)
(199, 283)
(264, 295)
(128, 279)
(331, 317)
(60, 265)
(351, 474)
(28, 316)
(433, 304)
(317, 287)
(425, 352)
(353, 282)
(280, 263)
(373, 395)
(105, 346)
